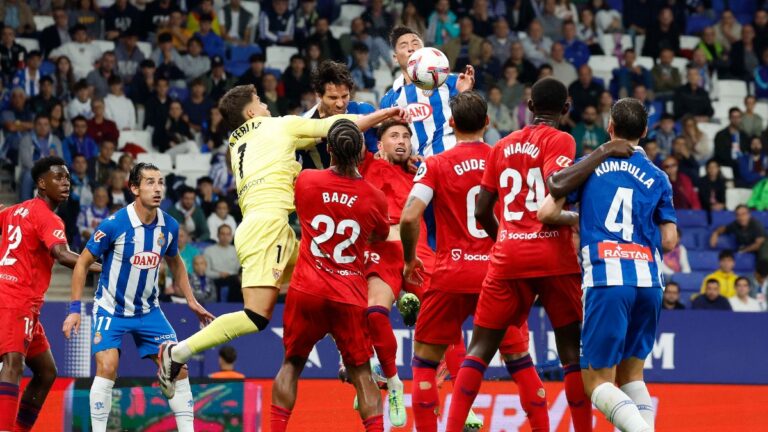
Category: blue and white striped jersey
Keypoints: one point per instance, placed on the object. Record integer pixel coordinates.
(429, 111)
(622, 204)
(131, 253)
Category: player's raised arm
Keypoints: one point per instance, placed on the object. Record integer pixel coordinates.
(80, 271)
(568, 179)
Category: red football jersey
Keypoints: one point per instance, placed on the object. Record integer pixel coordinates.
(517, 170)
(337, 216)
(29, 231)
(463, 247)
(390, 179)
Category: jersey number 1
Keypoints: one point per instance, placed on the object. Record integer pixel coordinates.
(622, 200)
(241, 155)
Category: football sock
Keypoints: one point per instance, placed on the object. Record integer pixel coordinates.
(578, 403)
(383, 339)
(638, 392)
(26, 418)
(465, 388)
(618, 408)
(374, 423)
(223, 329)
(278, 418)
(101, 403)
(532, 395)
(426, 401)
(454, 355)
(9, 405)
(183, 406)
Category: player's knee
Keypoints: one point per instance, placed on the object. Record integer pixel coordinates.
(106, 368)
(259, 321)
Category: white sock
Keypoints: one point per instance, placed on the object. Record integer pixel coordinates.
(394, 383)
(101, 403)
(618, 408)
(182, 406)
(638, 392)
(181, 353)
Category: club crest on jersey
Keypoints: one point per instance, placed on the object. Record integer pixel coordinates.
(98, 235)
(145, 260)
(97, 338)
(161, 240)
(276, 273)
(419, 111)
(628, 251)
(563, 161)
(59, 234)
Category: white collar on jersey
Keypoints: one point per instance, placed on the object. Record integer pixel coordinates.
(310, 112)
(136, 222)
(398, 83)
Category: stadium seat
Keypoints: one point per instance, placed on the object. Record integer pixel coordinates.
(104, 45)
(725, 241)
(603, 66)
(703, 260)
(160, 160)
(696, 23)
(235, 68)
(761, 216)
(761, 109)
(736, 196)
(116, 156)
(253, 7)
(145, 48)
(193, 162)
(690, 282)
(348, 13)
(141, 138)
(745, 263)
(680, 63)
(28, 43)
(732, 89)
(646, 62)
(383, 79)
(178, 93)
(279, 57)
(338, 31)
(692, 218)
(689, 42)
(243, 53)
(608, 43)
(639, 43)
(43, 21)
(720, 218)
(690, 239)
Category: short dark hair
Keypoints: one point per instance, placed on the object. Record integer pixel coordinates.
(78, 118)
(46, 79)
(228, 354)
(740, 206)
(205, 17)
(629, 118)
(41, 116)
(469, 111)
(114, 80)
(360, 47)
(724, 254)
(218, 230)
(81, 85)
(389, 123)
(195, 39)
(164, 38)
(331, 72)
(233, 102)
(185, 190)
(549, 96)
(204, 179)
(669, 284)
(78, 155)
(345, 142)
(43, 165)
(714, 281)
(399, 32)
(741, 278)
(134, 178)
(732, 110)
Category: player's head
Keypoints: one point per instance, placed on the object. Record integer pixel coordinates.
(147, 185)
(332, 84)
(241, 104)
(629, 120)
(549, 97)
(712, 289)
(345, 142)
(726, 261)
(404, 41)
(469, 113)
(51, 177)
(395, 140)
(227, 356)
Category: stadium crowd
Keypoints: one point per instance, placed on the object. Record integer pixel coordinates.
(80, 78)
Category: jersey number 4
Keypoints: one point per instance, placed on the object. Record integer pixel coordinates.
(621, 201)
(327, 233)
(14, 240)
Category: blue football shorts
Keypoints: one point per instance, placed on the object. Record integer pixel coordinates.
(148, 331)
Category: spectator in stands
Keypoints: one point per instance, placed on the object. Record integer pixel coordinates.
(487, 68)
(760, 24)
(744, 56)
(604, 109)
(511, 89)
(378, 49)
(712, 188)
(197, 106)
(17, 121)
(665, 133)
(98, 79)
(223, 265)
(608, 20)
(176, 136)
(221, 217)
(305, 17)
(207, 198)
(576, 51)
(156, 114)
(296, 76)
(524, 115)
(158, 14)
(537, 46)
(60, 127)
(203, 287)
(748, 232)
(227, 358)
(724, 275)
(587, 133)
(551, 24)
(277, 105)
(566, 11)
(142, 85)
(629, 75)
(653, 153)
(526, 71)
(187, 251)
(216, 135)
(562, 70)
(714, 51)
(44, 101)
(86, 15)
(64, 79)
(56, 34)
(81, 188)
(378, 21)
(125, 164)
(663, 35)
(761, 77)
(236, 23)
(731, 142)
(501, 40)
(118, 107)
(18, 16)
(706, 75)
(91, 215)
(691, 99)
(167, 59)
(276, 25)
(195, 18)
(752, 166)
(676, 260)
(683, 194)
(330, 47)
(254, 73)
(411, 18)
(79, 50)
(28, 78)
(118, 193)
(751, 123)
(584, 92)
(501, 118)
(128, 55)
(545, 71)
(360, 68)
(654, 108)
(33, 146)
(217, 81)
(742, 302)
(441, 25)
(666, 78)
(190, 215)
(178, 35)
(213, 44)
(687, 164)
(79, 142)
(100, 167)
(710, 298)
(121, 17)
(586, 30)
(482, 22)
(727, 30)
(697, 140)
(671, 297)
(759, 283)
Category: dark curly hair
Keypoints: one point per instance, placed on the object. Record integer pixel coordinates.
(42, 166)
(345, 142)
(331, 72)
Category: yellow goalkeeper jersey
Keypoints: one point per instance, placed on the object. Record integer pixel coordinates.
(263, 154)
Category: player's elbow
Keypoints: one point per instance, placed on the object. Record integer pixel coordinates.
(556, 187)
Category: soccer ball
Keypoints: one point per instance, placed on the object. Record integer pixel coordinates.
(428, 68)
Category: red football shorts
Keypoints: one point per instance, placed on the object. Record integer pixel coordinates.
(21, 331)
(507, 302)
(385, 260)
(443, 313)
(308, 318)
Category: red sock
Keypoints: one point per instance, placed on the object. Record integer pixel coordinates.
(426, 401)
(374, 423)
(532, 396)
(9, 405)
(26, 418)
(383, 339)
(453, 358)
(278, 418)
(579, 403)
(465, 388)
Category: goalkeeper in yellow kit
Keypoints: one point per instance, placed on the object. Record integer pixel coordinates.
(263, 158)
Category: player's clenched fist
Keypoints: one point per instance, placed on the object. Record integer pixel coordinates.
(71, 325)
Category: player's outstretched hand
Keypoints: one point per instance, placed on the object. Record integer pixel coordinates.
(71, 325)
(203, 315)
(620, 148)
(413, 163)
(412, 271)
(466, 79)
(400, 114)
